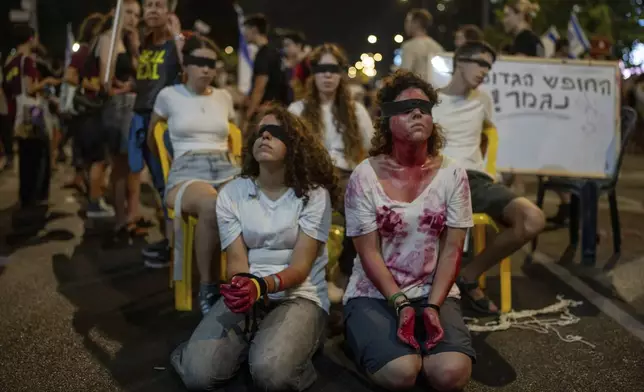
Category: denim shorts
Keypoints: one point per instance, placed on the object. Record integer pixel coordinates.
(371, 326)
(214, 167)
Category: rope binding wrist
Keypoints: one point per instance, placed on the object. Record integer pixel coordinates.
(262, 287)
(402, 306)
(433, 306)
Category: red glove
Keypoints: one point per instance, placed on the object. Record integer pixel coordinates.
(433, 327)
(241, 294)
(406, 321)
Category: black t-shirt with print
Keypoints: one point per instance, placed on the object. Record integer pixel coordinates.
(527, 43)
(268, 62)
(158, 67)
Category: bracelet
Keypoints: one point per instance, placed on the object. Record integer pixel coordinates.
(402, 306)
(393, 298)
(277, 282)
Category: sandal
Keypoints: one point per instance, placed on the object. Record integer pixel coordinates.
(481, 305)
(136, 231)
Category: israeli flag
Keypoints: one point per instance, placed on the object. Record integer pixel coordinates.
(246, 57)
(577, 39)
(549, 41)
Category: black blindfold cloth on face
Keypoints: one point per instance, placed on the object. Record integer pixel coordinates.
(199, 61)
(277, 131)
(323, 68)
(389, 109)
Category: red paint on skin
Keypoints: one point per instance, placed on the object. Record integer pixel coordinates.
(411, 132)
(409, 169)
(406, 324)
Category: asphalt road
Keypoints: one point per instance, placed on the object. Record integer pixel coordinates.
(75, 316)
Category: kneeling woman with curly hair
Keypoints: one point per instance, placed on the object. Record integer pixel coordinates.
(408, 208)
(273, 223)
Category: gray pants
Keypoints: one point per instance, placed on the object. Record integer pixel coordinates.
(279, 354)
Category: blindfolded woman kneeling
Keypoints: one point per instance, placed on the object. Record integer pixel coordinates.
(273, 223)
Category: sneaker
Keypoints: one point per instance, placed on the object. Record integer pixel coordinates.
(99, 209)
(157, 250)
(157, 255)
(208, 295)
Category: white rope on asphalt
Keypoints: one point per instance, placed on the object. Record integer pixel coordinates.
(527, 319)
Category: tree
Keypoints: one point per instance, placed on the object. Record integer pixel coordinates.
(616, 19)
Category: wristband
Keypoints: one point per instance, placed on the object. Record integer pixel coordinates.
(262, 287)
(393, 298)
(277, 283)
(402, 306)
(435, 307)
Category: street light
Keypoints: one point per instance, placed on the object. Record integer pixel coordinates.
(229, 49)
(377, 57)
(372, 39)
(398, 38)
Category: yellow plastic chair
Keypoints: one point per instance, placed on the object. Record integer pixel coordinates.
(483, 220)
(183, 288)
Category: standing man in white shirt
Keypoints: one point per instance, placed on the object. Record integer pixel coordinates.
(420, 48)
(463, 113)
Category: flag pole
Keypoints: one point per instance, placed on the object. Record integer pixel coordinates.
(116, 27)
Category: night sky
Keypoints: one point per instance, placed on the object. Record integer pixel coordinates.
(346, 22)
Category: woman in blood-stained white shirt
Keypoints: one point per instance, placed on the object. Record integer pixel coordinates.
(273, 222)
(407, 209)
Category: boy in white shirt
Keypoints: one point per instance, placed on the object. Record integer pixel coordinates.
(464, 112)
(417, 51)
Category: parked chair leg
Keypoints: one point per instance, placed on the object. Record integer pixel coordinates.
(614, 220)
(183, 288)
(541, 192)
(573, 227)
(506, 285)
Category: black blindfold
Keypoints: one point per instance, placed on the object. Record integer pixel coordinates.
(324, 68)
(277, 131)
(389, 109)
(199, 61)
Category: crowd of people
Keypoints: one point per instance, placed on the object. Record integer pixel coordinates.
(403, 167)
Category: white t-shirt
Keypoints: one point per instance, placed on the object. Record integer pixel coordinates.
(409, 232)
(333, 138)
(270, 228)
(462, 121)
(417, 54)
(195, 122)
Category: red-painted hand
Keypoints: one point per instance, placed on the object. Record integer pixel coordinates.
(406, 321)
(240, 295)
(433, 327)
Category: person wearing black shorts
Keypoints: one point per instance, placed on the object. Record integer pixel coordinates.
(464, 112)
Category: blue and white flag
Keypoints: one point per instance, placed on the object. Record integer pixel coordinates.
(549, 41)
(577, 39)
(246, 57)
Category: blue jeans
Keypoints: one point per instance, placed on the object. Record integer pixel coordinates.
(140, 155)
(279, 354)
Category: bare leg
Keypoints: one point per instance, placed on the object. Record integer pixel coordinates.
(96, 180)
(118, 178)
(448, 371)
(525, 222)
(133, 196)
(399, 374)
(200, 200)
